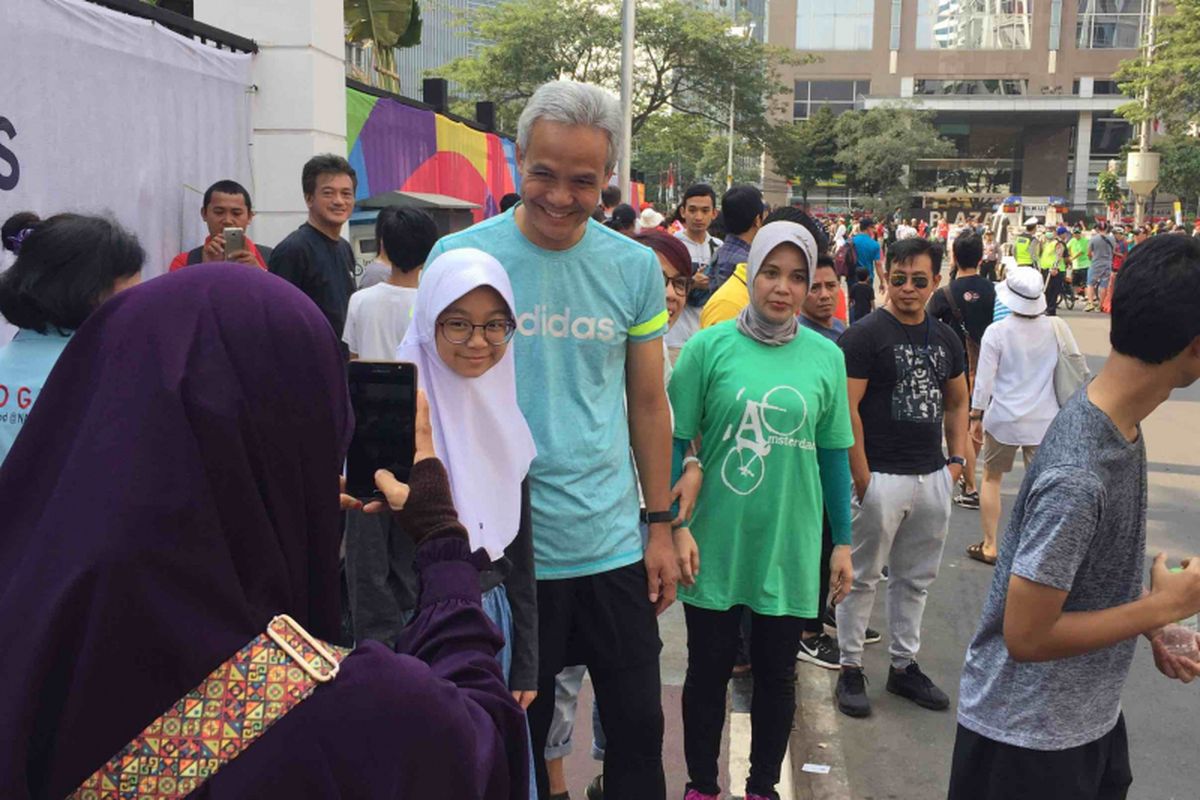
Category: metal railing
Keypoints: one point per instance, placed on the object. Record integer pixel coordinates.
(185, 26)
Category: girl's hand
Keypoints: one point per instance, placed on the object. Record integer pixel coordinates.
(347, 502)
(687, 555)
(841, 574)
(686, 491)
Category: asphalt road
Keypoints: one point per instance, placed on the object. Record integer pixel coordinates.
(903, 752)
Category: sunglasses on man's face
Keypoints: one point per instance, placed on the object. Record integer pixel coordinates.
(898, 279)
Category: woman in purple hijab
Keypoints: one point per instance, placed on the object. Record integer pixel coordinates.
(174, 488)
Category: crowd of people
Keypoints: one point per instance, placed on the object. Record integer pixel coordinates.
(618, 410)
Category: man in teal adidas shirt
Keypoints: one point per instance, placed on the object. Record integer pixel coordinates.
(590, 316)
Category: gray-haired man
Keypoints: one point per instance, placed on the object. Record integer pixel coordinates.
(590, 313)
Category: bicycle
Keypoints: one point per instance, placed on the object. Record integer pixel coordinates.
(744, 467)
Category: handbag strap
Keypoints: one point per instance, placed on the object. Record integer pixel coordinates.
(214, 723)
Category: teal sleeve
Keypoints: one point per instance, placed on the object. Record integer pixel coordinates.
(834, 466)
(678, 451)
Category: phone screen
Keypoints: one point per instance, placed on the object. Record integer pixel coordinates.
(384, 398)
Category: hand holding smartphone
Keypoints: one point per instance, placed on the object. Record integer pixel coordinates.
(235, 240)
(383, 395)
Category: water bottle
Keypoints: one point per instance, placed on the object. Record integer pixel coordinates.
(1179, 639)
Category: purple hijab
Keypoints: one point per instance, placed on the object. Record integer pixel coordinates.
(174, 487)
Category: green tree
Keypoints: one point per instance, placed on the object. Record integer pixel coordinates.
(1179, 168)
(1108, 187)
(387, 24)
(805, 152)
(1173, 77)
(686, 60)
(671, 144)
(879, 148)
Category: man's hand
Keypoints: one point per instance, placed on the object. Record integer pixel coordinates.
(700, 280)
(956, 471)
(841, 573)
(976, 431)
(687, 556)
(242, 257)
(1176, 668)
(1180, 590)
(686, 490)
(861, 482)
(662, 573)
(214, 249)
(524, 698)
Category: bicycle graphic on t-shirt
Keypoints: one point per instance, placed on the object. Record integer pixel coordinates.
(768, 422)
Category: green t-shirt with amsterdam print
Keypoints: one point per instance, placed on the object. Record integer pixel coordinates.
(761, 413)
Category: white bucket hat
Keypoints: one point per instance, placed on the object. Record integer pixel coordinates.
(650, 218)
(1023, 291)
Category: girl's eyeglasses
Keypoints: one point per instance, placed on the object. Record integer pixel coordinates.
(456, 330)
(919, 281)
(680, 283)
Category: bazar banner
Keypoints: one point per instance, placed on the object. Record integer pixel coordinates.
(104, 113)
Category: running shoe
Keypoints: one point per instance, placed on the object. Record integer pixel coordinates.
(820, 650)
(830, 621)
(915, 685)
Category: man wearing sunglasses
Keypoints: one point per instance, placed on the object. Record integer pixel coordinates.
(905, 385)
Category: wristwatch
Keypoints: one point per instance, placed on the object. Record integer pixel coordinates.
(962, 462)
(656, 517)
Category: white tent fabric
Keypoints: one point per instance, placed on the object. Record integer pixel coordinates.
(112, 114)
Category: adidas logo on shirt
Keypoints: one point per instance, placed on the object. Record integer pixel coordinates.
(540, 322)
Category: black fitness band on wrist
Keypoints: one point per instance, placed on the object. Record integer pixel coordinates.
(655, 517)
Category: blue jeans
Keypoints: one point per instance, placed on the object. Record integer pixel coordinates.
(496, 606)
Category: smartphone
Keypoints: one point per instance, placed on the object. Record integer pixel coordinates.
(235, 240)
(384, 397)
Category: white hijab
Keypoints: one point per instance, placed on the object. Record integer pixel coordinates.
(478, 430)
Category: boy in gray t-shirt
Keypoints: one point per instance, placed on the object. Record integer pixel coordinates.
(1039, 709)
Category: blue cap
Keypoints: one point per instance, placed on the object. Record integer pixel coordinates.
(1062, 229)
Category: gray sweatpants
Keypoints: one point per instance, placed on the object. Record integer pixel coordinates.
(901, 523)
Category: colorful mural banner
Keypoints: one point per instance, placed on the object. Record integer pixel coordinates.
(395, 147)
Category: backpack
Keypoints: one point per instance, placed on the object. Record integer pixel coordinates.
(846, 260)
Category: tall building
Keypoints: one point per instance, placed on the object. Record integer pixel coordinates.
(1022, 87)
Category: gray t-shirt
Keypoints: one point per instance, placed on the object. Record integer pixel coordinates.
(1079, 525)
(1102, 246)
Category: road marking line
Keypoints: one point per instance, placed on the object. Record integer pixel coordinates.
(817, 737)
(739, 759)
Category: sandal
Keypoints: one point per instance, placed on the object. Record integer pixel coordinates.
(975, 551)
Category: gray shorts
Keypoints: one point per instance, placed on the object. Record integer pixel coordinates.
(1098, 276)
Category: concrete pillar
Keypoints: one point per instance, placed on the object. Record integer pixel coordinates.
(1083, 156)
(299, 109)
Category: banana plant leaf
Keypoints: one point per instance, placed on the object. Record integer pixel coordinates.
(383, 22)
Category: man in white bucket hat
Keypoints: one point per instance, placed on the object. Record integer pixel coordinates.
(1014, 401)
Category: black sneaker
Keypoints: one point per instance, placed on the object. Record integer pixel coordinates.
(595, 789)
(852, 693)
(967, 500)
(821, 650)
(915, 685)
(830, 621)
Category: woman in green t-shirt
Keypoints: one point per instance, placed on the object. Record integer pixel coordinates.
(762, 400)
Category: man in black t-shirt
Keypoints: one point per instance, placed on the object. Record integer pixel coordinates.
(905, 385)
(967, 305)
(314, 257)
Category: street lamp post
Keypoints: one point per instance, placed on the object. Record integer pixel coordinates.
(626, 156)
(745, 31)
(1141, 170)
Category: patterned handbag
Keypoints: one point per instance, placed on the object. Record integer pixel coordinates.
(212, 724)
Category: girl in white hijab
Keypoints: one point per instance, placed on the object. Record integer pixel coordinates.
(462, 324)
